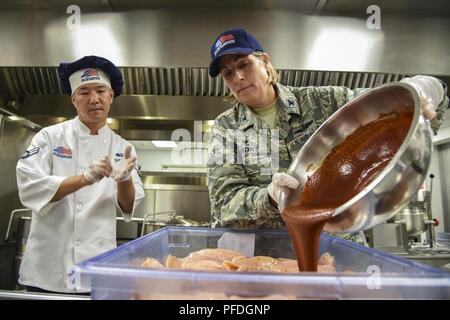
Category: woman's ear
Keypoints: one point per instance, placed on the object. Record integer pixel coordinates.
(266, 58)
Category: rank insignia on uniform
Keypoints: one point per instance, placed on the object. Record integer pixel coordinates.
(29, 153)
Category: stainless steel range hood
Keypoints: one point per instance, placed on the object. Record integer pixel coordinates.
(154, 96)
(156, 101)
(23, 81)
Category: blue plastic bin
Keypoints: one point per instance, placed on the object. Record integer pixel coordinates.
(362, 273)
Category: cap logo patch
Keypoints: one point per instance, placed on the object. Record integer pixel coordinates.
(223, 41)
(90, 75)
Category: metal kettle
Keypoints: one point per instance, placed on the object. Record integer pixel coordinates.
(395, 185)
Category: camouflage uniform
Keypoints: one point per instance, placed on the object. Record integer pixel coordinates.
(238, 189)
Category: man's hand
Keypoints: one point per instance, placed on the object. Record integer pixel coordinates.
(121, 170)
(280, 180)
(98, 169)
(430, 91)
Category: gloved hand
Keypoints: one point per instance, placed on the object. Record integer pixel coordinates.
(121, 170)
(280, 180)
(98, 169)
(430, 92)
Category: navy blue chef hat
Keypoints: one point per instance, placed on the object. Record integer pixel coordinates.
(233, 41)
(90, 69)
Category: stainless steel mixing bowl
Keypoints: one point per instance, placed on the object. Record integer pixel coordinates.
(400, 180)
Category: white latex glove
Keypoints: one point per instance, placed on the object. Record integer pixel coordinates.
(430, 92)
(121, 170)
(280, 180)
(98, 169)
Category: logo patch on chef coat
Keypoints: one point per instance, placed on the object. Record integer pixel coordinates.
(62, 152)
(30, 153)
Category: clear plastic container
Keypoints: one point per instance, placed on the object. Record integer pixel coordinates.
(362, 273)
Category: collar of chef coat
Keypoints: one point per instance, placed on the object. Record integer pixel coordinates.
(81, 127)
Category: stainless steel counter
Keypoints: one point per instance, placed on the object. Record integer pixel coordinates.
(440, 260)
(23, 295)
(437, 258)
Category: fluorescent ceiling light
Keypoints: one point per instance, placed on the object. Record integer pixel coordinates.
(164, 144)
(97, 39)
(341, 49)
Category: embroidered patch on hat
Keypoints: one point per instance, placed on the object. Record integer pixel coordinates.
(86, 76)
(90, 75)
(223, 41)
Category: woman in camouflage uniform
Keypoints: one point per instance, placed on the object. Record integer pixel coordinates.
(254, 142)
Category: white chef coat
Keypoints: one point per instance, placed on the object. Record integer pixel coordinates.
(80, 225)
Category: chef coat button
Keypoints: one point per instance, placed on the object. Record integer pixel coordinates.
(104, 141)
(79, 205)
(77, 242)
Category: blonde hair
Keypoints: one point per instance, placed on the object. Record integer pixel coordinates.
(271, 72)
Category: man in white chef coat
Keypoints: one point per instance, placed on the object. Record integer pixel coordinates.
(74, 176)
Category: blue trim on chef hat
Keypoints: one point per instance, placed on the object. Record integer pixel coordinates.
(65, 70)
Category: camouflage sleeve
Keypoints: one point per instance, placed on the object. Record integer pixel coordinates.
(235, 201)
(319, 103)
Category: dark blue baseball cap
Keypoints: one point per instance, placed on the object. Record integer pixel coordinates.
(65, 70)
(233, 41)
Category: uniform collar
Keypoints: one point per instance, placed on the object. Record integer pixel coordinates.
(286, 99)
(81, 127)
(247, 117)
